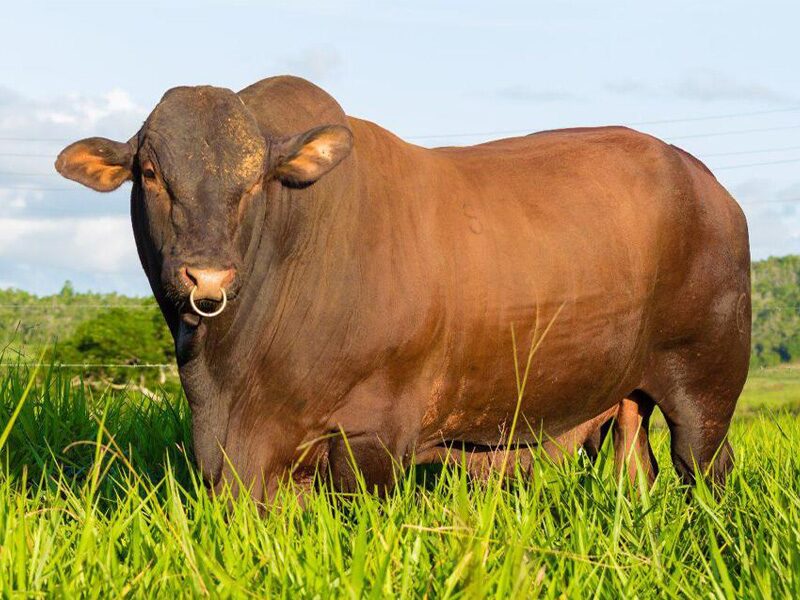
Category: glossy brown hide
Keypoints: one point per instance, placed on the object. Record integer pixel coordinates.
(377, 305)
(636, 244)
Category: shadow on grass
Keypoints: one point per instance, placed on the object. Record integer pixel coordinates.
(58, 426)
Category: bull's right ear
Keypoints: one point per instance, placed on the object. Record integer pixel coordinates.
(98, 163)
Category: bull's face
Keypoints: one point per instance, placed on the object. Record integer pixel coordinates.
(198, 163)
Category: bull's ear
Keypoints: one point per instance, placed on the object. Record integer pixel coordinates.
(97, 163)
(302, 159)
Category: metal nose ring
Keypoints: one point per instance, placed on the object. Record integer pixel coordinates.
(208, 314)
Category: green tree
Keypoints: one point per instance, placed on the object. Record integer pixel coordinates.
(776, 311)
(135, 338)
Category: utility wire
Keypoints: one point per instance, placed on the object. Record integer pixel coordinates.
(34, 189)
(23, 139)
(726, 116)
(760, 151)
(17, 174)
(100, 306)
(94, 365)
(92, 306)
(757, 164)
(513, 131)
(776, 201)
(675, 137)
(508, 132)
(26, 155)
(735, 132)
(528, 131)
(708, 155)
(704, 155)
(38, 189)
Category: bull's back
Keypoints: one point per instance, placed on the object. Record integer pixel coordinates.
(571, 214)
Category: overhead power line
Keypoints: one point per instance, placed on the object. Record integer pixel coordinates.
(756, 164)
(17, 174)
(674, 137)
(37, 189)
(24, 139)
(82, 306)
(510, 131)
(725, 116)
(26, 155)
(760, 151)
(631, 124)
(93, 365)
(100, 307)
(704, 155)
(735, 132)
(776, 201)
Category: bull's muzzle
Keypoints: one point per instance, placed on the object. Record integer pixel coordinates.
(207, 284)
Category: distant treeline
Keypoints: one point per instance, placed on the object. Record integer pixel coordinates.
(776, 311)
(99, 330)
(110, 329)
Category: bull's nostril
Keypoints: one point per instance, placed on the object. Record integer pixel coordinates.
(209, 283)
(185, 278)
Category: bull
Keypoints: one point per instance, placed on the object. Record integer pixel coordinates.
(341, 298)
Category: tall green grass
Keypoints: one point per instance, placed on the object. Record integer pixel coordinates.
(99, 498)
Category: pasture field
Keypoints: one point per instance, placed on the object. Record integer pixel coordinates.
(98, 498)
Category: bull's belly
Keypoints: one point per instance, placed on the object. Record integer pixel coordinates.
(573, 377)
(550, 412)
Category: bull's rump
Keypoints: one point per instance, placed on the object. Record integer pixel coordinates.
(597, 231)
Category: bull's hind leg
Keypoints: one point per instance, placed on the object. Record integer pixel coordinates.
(588, 435)
(595, 439)
(698, 428)
(630, 433)
(698, 400)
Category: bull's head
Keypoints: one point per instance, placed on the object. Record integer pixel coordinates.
(198, 162)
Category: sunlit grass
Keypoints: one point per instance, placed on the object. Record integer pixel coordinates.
(98, 497)
(771, 389)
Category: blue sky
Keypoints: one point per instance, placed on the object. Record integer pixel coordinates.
(721, 77)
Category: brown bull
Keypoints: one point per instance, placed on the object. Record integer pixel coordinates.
(372, 288)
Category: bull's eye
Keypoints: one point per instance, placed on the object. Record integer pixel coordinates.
(148, 170)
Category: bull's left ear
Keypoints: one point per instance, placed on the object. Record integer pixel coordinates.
(302, 159)
(96, 162)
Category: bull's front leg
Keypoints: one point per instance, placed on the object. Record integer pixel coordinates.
(374, 432)
(258, 456)
(367, 455)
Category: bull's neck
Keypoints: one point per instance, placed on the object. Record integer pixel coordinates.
(298, 251)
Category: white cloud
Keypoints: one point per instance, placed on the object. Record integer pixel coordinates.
(774, 225)
(525, 93)
(774, 230)
(52, 229)
(71, 114)
(89, 244)
(13, 201)
(709, 86)
(702, 85)
(95, 253)
(317, 63)
(32, 132)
